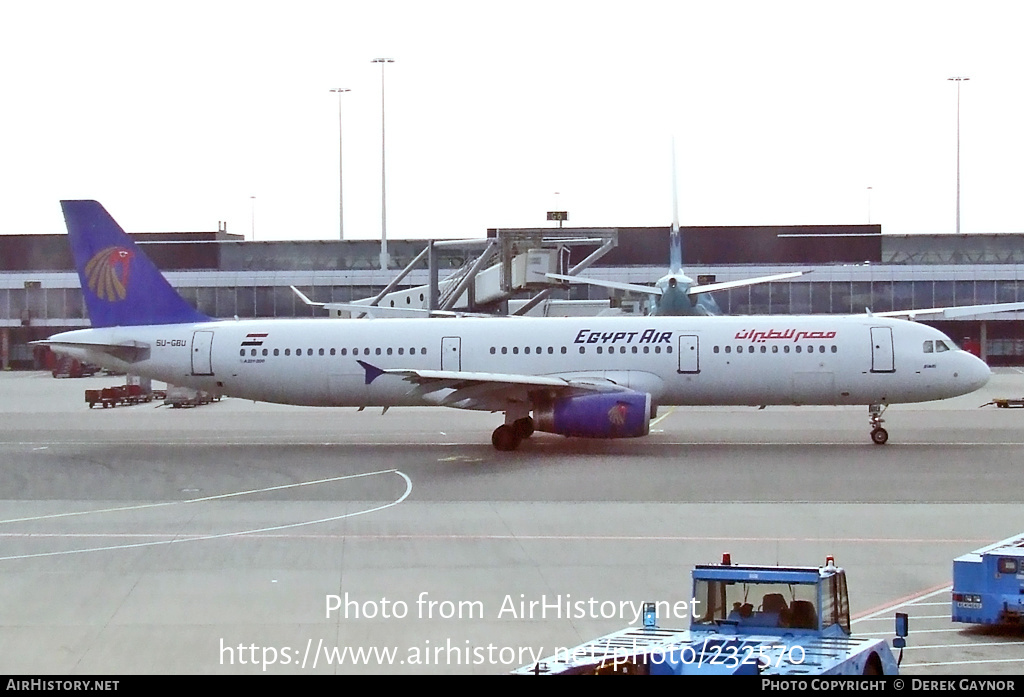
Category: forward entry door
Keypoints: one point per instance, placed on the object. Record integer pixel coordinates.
(882, 360)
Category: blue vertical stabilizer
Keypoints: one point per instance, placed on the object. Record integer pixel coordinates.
(122, 287)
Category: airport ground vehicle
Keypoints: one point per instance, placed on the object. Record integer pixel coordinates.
(119, 394)
(988, 584)
(73, 368)
(180, 396)
(744, 620)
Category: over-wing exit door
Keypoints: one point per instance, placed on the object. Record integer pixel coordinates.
(451, 353)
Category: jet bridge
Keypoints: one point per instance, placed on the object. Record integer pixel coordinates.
(513, 262)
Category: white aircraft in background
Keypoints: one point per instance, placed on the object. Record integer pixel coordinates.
(675, 294)
(585, 377)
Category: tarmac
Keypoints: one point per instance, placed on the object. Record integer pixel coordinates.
(243, 538)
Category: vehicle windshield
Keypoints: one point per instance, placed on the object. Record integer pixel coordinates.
(752, 604)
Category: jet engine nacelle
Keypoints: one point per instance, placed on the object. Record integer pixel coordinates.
(601, 415)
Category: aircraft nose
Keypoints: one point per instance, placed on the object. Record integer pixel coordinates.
(974, 372)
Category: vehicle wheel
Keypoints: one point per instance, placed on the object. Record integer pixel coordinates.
(504, 438)
(879, 436)
(873, 666)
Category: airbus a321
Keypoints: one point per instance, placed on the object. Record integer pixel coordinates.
(582, 377)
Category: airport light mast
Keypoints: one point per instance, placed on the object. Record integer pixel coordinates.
(958, 80)
(383, 179)
(341, 186)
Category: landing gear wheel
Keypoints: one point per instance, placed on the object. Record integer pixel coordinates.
(523, 427)
(505, 438)
(879, 436)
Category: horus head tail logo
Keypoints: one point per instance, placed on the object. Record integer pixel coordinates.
(107, 273)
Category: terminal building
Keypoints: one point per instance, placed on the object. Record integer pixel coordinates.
(852, 269)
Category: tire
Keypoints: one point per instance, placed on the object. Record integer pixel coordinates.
(505, 438)
(879, 436)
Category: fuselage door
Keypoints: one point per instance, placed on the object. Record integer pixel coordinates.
(689, 353)
(451, 353)
(882, 360)
(202, 353)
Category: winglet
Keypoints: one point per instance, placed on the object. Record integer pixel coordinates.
(121, 286)
(372, 371)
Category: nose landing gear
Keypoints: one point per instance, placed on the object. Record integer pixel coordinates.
(878, 434)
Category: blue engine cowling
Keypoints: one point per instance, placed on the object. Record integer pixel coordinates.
(599, 415)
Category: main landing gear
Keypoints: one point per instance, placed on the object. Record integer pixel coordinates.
(878, 434)
(508, 436)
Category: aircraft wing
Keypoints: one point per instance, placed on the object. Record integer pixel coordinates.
(473, 390)
(956, 311)
(650, 290)
(725, 285)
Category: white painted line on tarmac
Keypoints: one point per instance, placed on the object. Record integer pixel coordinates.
(238, 533)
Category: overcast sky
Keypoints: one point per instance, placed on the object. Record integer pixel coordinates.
(175, 114)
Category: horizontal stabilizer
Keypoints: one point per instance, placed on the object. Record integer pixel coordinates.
(127, 351)
(725, 285)
(650, 290)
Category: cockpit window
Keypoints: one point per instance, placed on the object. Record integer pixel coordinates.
(941, 346)
(928, 347)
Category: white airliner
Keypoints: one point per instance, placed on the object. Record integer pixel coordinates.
(584, 377)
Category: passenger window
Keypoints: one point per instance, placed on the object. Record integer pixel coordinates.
(928, 347)
(775, 349)
(798, 348)
(321, 352)
(515, 350)
(287, 352)
(504, 350)
(240, 353)
(277, 352)
(715, 350)
(728, 349)
(750, 349)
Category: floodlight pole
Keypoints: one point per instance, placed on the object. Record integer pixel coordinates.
(383, 179)
(958, 80)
